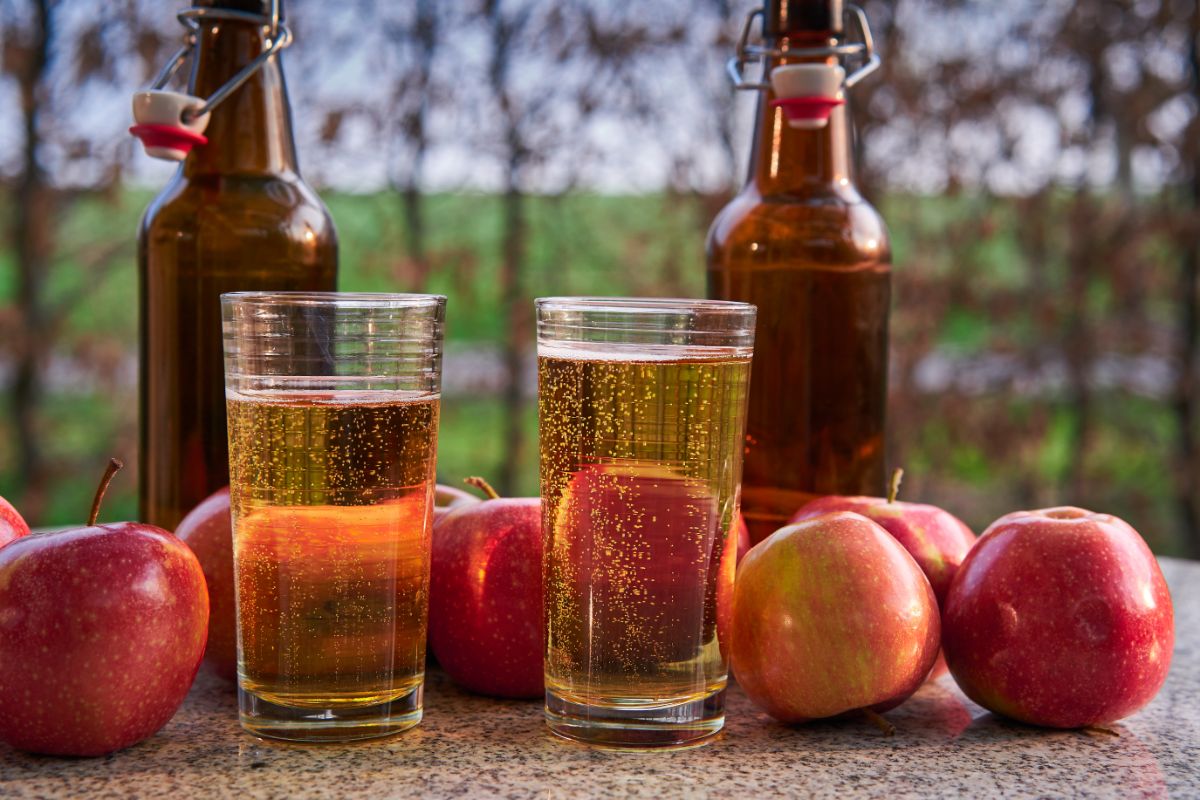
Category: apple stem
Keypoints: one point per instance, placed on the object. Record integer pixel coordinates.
(114, 466)
(894, 485)
(1100, 730)
(483, 486)
(885, 727)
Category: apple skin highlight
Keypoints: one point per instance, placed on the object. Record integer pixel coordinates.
(12, 525)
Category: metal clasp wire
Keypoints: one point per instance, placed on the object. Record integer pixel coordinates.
(862, 50)
(279, 37)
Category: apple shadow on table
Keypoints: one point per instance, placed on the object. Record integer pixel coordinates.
(937, 723)
(1111, 750)
(931, 717)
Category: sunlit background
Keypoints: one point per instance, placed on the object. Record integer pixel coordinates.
(1036, 161)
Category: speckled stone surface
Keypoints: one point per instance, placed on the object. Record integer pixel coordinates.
(945, 746)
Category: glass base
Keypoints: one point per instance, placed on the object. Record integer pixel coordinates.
(270, 720)
(638, 727)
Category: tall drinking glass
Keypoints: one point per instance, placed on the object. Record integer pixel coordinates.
(333, 413)
(642, 413)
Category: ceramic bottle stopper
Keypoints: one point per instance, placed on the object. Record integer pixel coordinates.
(161, 122)
(808, 93)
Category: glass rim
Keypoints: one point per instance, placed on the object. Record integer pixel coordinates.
(365, 300)
(646, 305)
(643, 323)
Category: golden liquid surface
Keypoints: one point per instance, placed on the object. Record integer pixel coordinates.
(640, 462)
(332, 503)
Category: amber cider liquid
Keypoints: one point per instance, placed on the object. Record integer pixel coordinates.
(332, 503)
(640, 463)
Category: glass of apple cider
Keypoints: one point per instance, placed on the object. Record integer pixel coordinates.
(332, 400)
(642, 414)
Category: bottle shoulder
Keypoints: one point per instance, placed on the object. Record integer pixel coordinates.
(833, 227)
(256, 205)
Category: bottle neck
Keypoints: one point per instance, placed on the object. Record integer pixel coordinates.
(789, 160)
(250, 132)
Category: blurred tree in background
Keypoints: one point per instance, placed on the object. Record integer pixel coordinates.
(1036, 161)
(56, 57)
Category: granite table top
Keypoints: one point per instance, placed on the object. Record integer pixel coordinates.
(944, 746)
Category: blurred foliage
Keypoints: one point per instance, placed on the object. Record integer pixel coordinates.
(981, 451)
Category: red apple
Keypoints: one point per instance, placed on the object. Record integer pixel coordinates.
(448, 498)
(207, 530)
(485, 595)
(741, 536)
(731, 556)
(937, 539)
(1061, 618)
(737, 544)
(831, 616)
(445, 500)
(12, 524)
(101, 632)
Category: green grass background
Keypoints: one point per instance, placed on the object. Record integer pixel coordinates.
(977, 455)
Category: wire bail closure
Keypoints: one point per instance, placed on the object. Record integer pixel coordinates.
(170, 124)
(279, 37)
(861, 51)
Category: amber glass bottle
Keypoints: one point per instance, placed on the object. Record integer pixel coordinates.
(236, 216)
(802, 244)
